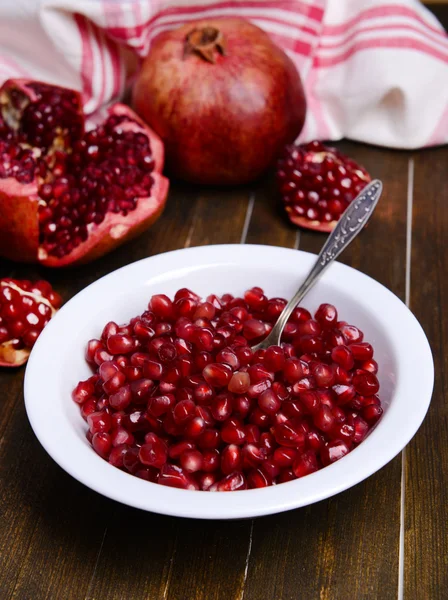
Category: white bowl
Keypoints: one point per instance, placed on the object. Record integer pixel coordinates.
(57, 364)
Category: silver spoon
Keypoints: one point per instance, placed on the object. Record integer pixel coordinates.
(350, 224)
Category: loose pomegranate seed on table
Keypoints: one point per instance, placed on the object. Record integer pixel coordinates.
(178, 397)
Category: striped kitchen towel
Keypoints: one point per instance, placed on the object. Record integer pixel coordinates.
(374, 70)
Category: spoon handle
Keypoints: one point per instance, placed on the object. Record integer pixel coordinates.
(350, 224)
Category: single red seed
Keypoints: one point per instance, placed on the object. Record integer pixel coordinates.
(231, 459)
(174, 476)
(361, 351)
(230, 483)
(232, 431)
(269, 402)
(257, 479)
(327, 316)
(183, 411)
(372, 413)
(217, 375)
(153, 452)
(333, 451)
(305, 464)
(366, 384)
(102, 444)
(99, 422)
(83, 391)
(191, 461)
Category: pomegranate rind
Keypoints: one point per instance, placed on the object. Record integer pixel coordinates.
(9, 357)
(305, 223)
(19, 227)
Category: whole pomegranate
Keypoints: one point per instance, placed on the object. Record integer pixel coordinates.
(317, 183)
(223, 98)
(66, 195)
(25, 309)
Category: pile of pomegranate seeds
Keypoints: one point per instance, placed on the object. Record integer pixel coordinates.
(179, 398)
(317, 183)
(25, 309)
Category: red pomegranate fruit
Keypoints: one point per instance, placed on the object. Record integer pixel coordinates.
(317, 183)
(25, 309)
(67, 195)
(179, 391)
(223, 98)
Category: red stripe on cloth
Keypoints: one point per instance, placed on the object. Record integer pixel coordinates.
(315, 106)
(87, 57)
(403, 43)
(313, 13)
(391, 10)
(398, 28)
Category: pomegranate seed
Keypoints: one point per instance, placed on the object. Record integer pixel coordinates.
(121, 399)
(252, 434)
(232, 432)
(153, 452)
(175, 450)
(343, 356)
(183, 411)
(323, 418)
(222, 406)
(295, 369)
(333, 451)
(269, 402)
(217, 375)
(361, 428)
(372, 413)
(305, 464)
(366, 384)
(260, 418)
(206, 480)
(288, 434)
(209, 439)
(370, 365)
(239, 383)
(323, 374)
(270, 469)
(174, 476)
(102, 444)
(83, 391)
(99, 422)
(284, 457)
(120, 436)
(351, 333)
(231, 459)
(327, 316)
(257, 479)
(344, 393)
(117, 454)
(231, 483)
(361, 351)
(191, 461)
(120, 344)
(159, 405)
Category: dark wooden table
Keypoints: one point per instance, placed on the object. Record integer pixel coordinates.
(385, 538)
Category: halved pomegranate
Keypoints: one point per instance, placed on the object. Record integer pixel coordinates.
(25, 309)
(68, 195)
(317, 183)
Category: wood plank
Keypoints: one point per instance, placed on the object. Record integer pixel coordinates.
(347, 546)
(187, 558)
(426, 497)
(52, 527)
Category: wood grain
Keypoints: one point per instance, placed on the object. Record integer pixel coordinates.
(426, 499)
(330, 550)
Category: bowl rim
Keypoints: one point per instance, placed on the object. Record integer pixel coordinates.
(386, 441)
